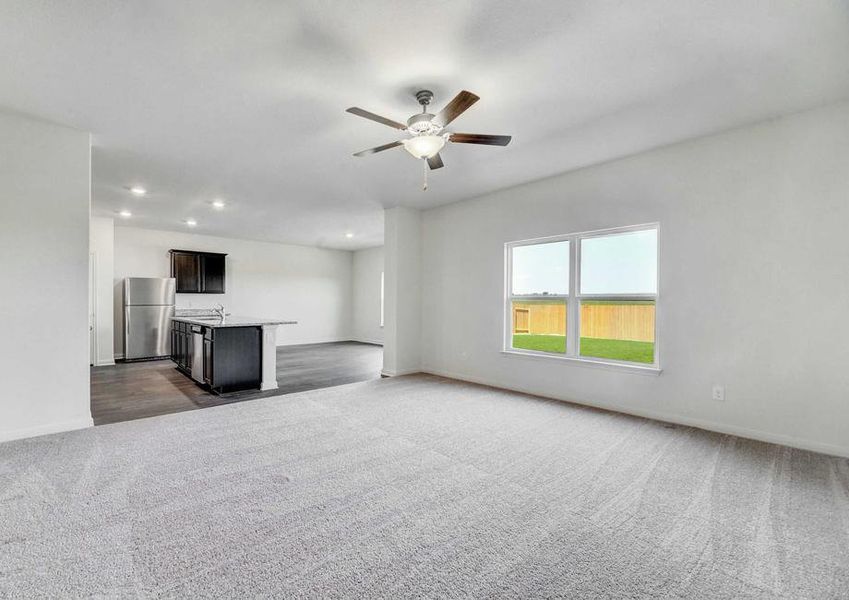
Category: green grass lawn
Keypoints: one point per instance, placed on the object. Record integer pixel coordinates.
(598, 348)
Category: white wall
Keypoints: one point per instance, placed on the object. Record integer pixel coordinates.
(301, 283)
(754, 280)
(368, 267)
(44, 211)
(402, 262)
(101, 245)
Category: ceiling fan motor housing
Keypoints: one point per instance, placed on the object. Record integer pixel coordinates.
(422, 124)
(424, 97)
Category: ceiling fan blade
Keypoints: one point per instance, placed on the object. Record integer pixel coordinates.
(480, 138)
(455, 108)
(373, 117)
(435, 162)
(378, 149)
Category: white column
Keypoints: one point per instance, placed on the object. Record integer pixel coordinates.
(269, 357)
(402, 294)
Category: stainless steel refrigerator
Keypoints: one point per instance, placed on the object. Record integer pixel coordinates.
(148, 308)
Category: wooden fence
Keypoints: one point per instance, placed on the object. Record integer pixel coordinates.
(544, 318)
(607, 321)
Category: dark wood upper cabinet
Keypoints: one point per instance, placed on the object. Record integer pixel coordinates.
(212, 270)
(198, 272)
(185, 268)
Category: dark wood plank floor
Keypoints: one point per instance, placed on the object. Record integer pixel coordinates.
(130, 391)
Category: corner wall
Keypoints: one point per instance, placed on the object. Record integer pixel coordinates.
(45, 174)
(368, 268)
(402, 258)
(754, 280)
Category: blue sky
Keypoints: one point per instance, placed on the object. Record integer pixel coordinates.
(624, 263)
(541, 268)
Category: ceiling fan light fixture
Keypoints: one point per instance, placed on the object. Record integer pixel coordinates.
(424, 146)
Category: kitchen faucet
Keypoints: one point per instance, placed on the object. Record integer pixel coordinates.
(218, 309)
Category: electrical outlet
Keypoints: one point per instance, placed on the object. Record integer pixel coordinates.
(718, 393)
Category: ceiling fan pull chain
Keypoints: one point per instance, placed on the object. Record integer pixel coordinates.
(424, 164)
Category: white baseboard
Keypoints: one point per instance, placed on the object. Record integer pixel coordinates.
(104, 363)
(743, 432)
(367, 341)
(319, 341)
(119, 356)
(18, 434)
(399, 372)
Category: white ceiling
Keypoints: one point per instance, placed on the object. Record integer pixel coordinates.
(198, 99)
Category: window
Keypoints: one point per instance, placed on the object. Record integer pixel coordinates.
(588, 296)
(539, 296)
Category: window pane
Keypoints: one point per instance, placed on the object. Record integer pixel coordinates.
(541, 269)
(618, 329)
(621, 263)
(539, 325)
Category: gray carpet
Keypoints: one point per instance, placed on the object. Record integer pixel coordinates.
(418, 487)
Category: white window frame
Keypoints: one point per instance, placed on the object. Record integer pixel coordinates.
(573, 301)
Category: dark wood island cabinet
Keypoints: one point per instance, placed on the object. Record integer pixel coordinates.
(232, 358)
(227, 354)
(227, 359)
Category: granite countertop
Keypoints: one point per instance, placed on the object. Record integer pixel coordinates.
(231, 321)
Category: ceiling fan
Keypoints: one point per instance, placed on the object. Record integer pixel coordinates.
(427, 131)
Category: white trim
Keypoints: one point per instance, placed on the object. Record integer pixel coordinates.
(623, 297)
(118, 356)
(586, 361)
(573, 308)
(507, 303)
(743, 432)
(382, 297)
(28, 432)
(105, 363)
(592, 233)
(94, 350)
(531, 297)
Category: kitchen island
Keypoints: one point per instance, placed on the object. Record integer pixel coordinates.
(227, 354)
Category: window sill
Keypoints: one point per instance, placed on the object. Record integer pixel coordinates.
(589, 362)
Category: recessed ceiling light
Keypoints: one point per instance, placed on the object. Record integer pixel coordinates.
(137, 190)
(126, 214)
(191, 222)
(349, 235)
(218, 204)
